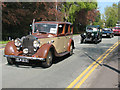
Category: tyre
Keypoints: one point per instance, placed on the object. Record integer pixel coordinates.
(48, 62)
(96, 41)
(101, 39)
(10, 61)
(82, 40)
(71, 49)
(111, 36)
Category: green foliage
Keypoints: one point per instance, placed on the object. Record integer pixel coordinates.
(111, 15)
(71, 8)
(119, 11)
(3, 42)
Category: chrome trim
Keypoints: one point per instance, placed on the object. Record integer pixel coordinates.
(22, 57)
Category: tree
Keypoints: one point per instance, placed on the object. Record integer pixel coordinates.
(17, 16)
(111, 15)
(79, 13)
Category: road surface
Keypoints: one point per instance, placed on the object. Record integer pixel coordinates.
(81, 70)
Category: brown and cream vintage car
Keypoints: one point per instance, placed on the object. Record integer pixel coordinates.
(49, 39)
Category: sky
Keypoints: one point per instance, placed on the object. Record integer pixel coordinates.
(104, 3)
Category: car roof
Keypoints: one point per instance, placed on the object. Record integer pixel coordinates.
(54, 22)
(93, 26)
(106, 28)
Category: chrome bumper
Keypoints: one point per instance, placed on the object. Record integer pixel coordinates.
(22, 57)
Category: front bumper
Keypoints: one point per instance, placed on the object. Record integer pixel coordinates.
(116, 32)
(106, 34)
(23, 57)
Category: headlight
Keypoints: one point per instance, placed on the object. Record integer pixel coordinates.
(17, 42)
(84, 33)
(36, 43)
(25, 50)
(92, 34)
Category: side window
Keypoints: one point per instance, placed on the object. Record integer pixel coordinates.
(71, 29)
(60, 28)
(66, 28)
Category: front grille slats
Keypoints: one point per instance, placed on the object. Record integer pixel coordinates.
(28, 43)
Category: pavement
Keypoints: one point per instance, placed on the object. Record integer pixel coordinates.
(65, 69)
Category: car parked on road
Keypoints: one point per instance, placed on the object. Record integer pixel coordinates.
(92, 34)
(107, 32)
(116, 30)
(49, 39)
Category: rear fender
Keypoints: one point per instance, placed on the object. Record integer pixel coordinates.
(43, 51)
(69, 44)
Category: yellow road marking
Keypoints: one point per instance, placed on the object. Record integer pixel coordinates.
(2, 48)
(88, 74)
(84, 72)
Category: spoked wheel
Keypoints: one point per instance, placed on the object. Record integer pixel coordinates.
(48, 61)
(71, 49)
(10, 61)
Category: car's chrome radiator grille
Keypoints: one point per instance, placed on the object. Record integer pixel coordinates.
(88, 35)
(28, 43)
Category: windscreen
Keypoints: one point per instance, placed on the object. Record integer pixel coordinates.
(47, 28)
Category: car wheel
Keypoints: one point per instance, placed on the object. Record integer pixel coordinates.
(71, 49)
(10, 61)
(48, 61)
(111, 36)
(96, 41)
(101, 39)
(82, 40)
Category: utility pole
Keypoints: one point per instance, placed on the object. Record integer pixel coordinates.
(56, 10)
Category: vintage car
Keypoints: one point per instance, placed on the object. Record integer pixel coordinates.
(49, 39)
(92, 34)
(116, 30)
(107, 32)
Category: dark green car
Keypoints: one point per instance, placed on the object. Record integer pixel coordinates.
(92, 34)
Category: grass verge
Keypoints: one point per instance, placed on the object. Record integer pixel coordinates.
(3, 42)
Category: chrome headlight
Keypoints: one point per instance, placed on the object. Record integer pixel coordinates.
(92, 34)
(18, 42)
(25, 50)
(84, 33)
(36, 43)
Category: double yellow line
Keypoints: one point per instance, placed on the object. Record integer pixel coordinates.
(84, 75)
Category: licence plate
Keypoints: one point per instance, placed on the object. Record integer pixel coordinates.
(104, 35)
(22, 60)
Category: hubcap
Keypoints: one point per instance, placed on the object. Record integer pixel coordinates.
(49, 58)
(71, 49)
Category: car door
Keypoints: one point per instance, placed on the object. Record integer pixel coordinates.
(60, 39)
(67, 36)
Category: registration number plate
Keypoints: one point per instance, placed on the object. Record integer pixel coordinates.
(22, 60)
(104, 35)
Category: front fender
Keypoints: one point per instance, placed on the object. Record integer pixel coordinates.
(83, 36)
(43, 51)
(11, 49)
(69, 44)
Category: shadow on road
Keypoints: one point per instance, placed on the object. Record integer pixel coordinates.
(88, 42)
(105, 65)
(112, 68)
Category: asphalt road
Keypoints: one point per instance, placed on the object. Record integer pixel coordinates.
(62, 73)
